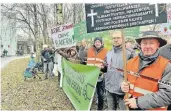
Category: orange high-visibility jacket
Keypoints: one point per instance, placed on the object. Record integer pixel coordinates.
(140, 86)
(96, 59)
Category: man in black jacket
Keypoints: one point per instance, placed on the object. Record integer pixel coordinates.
(47, 57)
(165, 51)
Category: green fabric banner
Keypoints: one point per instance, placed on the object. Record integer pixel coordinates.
(132, 32)
(80, 32)
(79, 82)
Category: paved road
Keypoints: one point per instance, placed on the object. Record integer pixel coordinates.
(6, 60)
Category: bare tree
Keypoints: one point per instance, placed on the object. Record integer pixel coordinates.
(73, 13)
(36, 19)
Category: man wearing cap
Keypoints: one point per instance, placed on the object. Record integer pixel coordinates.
(95, 57)
(144, 91)
(113, 78)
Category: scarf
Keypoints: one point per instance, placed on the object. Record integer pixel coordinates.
(117, 48)
(147, 60)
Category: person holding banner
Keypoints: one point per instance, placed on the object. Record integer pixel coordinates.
(95, 57)
(70, 54)
(113, 78)
(146, 91)
(82, 53)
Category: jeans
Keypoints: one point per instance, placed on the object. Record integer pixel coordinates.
(115, 101)
(100, 94)
(48, 67)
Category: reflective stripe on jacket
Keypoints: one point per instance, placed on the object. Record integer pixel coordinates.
(96, 58)
(141, 86)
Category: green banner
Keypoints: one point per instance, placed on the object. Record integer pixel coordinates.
(80, 32)
(132, 32)
(79, 82)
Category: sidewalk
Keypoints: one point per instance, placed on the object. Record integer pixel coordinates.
(6, 60)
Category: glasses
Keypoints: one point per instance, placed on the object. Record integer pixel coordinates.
(116, 37)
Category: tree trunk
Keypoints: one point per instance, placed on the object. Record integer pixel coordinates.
(36, 32)
(59, 14)
(74, 13)
(45, 30)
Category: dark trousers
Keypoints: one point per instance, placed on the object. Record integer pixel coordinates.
(169, 107)
(115, 101)
(100, 94)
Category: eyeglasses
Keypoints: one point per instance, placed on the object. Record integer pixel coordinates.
(116, 37)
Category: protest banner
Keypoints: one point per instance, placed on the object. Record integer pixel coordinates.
(59, 68)
(132, 32)
(80, 33)
(101, 17)
(79, 83)
(63, 36)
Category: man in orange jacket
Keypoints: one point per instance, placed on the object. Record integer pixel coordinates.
(95, 57)
(145, 93)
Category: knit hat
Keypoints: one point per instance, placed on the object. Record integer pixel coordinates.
(98, 38)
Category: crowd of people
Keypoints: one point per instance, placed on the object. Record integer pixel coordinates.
(149, 56)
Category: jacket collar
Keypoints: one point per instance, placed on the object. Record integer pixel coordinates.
(147, 60)
(98, 50)
(117, 49)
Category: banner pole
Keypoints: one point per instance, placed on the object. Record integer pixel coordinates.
(61, 76)
(124, 61)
